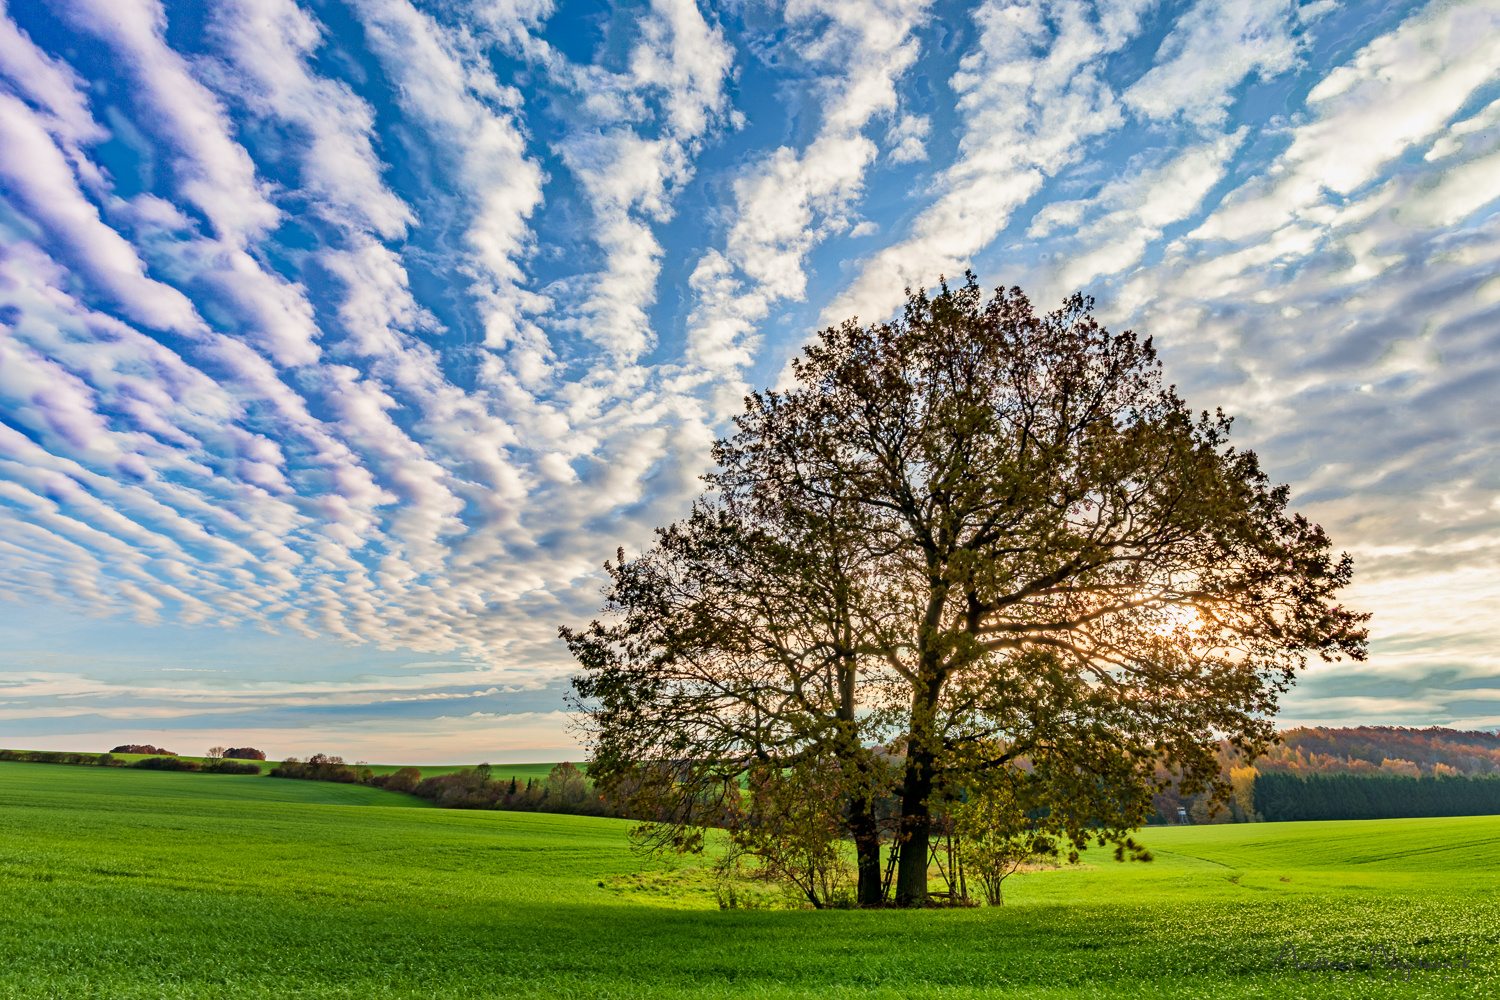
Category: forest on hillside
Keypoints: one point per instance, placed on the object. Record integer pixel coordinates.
(1360, 772)
(1392, 749)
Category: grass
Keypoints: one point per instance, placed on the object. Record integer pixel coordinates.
(127, 884)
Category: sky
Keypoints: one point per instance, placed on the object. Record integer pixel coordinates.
(342, 341)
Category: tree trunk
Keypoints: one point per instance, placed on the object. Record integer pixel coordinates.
(916, 827)
(862, 826)
(867, 850)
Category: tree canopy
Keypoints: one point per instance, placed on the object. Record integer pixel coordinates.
(974, 555)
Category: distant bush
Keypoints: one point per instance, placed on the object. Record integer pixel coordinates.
(321, 767)
(231, 767)
(143, 748)
(564, 790)
(245, 753)
(168, 764)
(404, 780)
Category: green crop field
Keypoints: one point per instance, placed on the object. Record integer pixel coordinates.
(126, 884)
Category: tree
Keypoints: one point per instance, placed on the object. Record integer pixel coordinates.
(567, 789)
(993, 541)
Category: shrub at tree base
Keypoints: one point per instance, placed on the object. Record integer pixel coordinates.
(245, 753)
(791, 823)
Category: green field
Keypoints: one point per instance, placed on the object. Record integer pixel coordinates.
(132, 884)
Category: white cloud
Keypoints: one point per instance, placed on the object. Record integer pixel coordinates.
(1216, 45)
(1129, 214)
(42, 184)
(214, 173)
(53, 88)
(907, 138)
(680, 63)
(1031, 93)
(1458, 194)
(1399, 90)
(265, 45)
(790, 200)
(442, 85)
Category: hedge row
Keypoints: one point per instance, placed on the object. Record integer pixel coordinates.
(564, 790)
(110, 760)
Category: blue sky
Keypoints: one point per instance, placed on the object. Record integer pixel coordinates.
(340, 342)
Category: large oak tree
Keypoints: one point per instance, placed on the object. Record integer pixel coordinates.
(992, 543)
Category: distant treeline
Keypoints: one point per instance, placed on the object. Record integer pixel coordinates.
(1365, 772)
(1353, 755)
(1281, 795)
(321, 767)
(564, 790)
(110, 760)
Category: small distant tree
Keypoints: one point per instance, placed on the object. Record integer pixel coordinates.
(143, 748)
(216, 752)
(1242, 793)
(567, 789)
